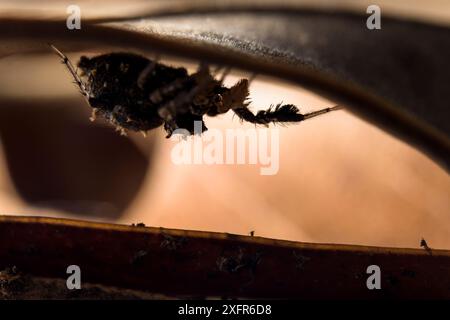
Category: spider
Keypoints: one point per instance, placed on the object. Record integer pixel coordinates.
(139, 94)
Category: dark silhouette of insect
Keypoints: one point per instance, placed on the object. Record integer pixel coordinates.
(136, 93)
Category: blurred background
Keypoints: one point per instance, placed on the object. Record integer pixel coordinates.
(341, 180)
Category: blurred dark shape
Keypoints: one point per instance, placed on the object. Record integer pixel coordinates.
(59, 160)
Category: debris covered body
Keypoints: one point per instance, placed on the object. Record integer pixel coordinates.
(138, 94)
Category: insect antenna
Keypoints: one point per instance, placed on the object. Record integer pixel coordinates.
(322, 111)
(65, 60)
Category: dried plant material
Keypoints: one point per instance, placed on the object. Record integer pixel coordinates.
(189, 263)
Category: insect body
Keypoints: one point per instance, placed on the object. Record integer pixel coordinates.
(136, 93)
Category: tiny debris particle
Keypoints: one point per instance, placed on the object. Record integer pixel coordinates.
(252, 233)
(424, 245)
(140, 224)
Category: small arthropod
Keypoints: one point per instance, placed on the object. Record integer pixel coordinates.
(136, 93)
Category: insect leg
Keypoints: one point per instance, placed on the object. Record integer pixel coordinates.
(147, 70)
(179, 106)
(178, 113)
(235, 97)
(158, 95)
(182, 101)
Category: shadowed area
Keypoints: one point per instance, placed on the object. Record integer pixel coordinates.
(57, 160)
